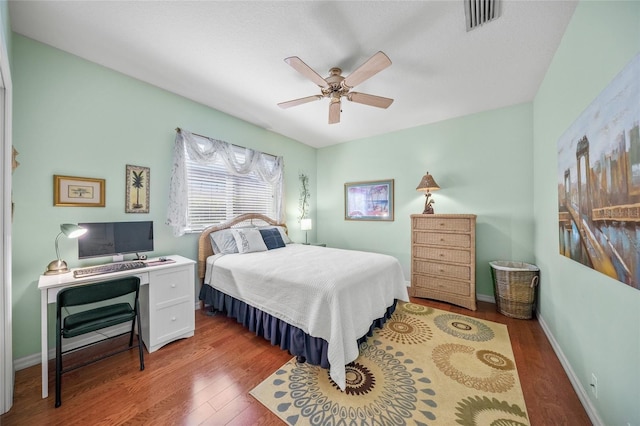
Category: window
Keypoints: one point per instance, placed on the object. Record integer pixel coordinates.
(213, 181)
(216, 195)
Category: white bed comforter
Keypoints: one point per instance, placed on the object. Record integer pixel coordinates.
(329, 293)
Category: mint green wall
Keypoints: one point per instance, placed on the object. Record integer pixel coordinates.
(6, 28)
(594, 319)
(73, 117)
(482, 164)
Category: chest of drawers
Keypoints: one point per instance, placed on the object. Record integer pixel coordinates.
(443, 258)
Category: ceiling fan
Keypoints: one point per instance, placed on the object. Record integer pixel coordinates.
(335, 86)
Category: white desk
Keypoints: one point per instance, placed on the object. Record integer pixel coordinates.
(167, 303)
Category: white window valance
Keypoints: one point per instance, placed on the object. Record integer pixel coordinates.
(205, 150)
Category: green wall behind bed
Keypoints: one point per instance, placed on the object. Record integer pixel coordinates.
(74, 117)
(481, 162)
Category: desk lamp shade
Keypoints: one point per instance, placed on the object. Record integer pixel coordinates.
(428, 184)
(59, 266)
(305, 225)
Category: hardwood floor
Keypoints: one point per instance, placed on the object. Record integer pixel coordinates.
(206, 379)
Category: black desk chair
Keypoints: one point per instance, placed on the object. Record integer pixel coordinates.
(96, 318)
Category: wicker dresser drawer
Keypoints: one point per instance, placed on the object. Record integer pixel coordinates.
(443, 258)
(425, 284)
(435, 223)
(441, 239)
(442, 254)
(460, 272)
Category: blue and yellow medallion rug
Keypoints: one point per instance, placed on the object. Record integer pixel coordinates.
(425, 367)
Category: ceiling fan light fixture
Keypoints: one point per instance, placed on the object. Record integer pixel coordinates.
(335, 86)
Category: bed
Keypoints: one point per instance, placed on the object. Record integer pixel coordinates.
(318, 303)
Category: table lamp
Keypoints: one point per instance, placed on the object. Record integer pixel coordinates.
(428, 184)
(305, 225)
(59, 266)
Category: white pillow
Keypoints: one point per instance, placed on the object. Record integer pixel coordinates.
(223, 242)
(249, 240)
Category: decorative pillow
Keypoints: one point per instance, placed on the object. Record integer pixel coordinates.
(223, 242)
(272, 238)
(283, 233)
(249, 240)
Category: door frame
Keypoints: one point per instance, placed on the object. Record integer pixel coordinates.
(6, 160)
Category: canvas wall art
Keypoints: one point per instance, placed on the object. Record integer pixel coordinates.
(599, 181)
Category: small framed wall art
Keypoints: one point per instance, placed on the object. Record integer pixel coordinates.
(138, 183)
(372, 200)
(72, 191)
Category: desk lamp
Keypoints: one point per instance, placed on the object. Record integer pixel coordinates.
(59, 266)
(305, 225)
(428, 184)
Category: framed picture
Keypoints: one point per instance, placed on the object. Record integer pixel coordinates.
(71, 191)
(138, 181)
(371, 200)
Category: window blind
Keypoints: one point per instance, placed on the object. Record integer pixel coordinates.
(216, 195)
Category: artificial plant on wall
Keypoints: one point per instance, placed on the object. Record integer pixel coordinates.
(304, 195)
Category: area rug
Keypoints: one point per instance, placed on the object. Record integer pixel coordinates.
(425, 367)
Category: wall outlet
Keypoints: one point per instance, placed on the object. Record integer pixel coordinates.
(594, 385)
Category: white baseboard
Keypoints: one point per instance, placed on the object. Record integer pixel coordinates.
(34, 359)
(577, 386)
(72, 343)
(26, 361)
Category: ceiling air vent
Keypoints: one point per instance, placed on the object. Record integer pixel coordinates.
(479, 12)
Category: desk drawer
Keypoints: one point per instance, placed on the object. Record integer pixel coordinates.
(170, 285)
(172, 321)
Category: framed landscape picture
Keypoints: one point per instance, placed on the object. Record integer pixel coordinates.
(372, 200)
(72, 191)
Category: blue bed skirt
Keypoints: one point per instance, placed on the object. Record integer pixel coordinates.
(278, 332)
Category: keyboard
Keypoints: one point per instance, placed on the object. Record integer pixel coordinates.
(108, 268)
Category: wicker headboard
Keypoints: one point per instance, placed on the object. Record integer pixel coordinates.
(204, 243)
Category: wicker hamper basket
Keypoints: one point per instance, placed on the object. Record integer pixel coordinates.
(514, 284)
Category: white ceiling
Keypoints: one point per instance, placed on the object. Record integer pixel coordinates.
(230, 55)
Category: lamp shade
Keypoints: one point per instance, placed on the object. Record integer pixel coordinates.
(428, 183)
(69, 230)
(72, 231)
(305, 224)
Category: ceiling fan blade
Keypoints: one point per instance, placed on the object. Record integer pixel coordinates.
(363, 98)
(371, 67)
(306, 70)
(334, 111)
(300, 101)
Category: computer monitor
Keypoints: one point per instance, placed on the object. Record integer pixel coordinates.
(115, 239)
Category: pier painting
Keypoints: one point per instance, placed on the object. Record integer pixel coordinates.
(599, 181)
